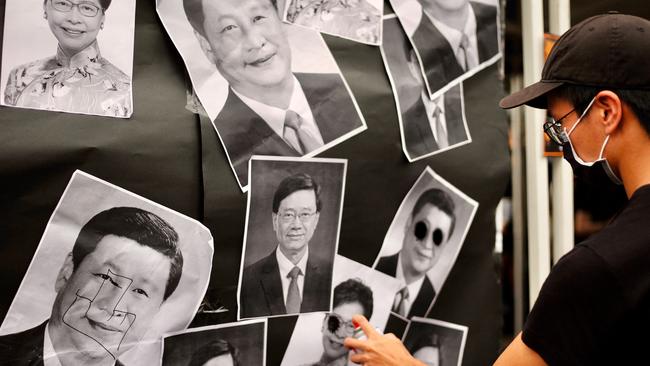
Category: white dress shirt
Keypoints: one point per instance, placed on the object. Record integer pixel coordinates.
(430, 106)
(274, 116)
(454, 37)
(286, 266)
(413, 287)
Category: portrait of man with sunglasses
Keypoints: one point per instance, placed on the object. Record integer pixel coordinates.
(427, 230)
(290, 279)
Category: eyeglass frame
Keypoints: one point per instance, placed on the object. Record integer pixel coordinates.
(73, 5)
(343, 326)
(553, 128)
(303, 216)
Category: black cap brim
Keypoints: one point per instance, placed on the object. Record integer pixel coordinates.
(533, 95)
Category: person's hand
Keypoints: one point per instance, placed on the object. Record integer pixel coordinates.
(379, 349)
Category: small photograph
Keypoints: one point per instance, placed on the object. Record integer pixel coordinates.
(69, 56)
(434, 342)
(427, 126)
(318, 338)
(357, 20)
(423, 242)
(112, 272)
(291, 238)
(453, 39)
(269, 88)
(232, 344)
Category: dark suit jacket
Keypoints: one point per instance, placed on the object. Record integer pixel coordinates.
(244, 133)
(418, 136)
(25, 348)
(438, 58)
(261, 288)
(425, 296)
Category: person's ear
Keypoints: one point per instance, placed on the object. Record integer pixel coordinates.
(45, 10)
(610, 110)
(275, 221)
(64, 273)
(206, 47)
(316, 217)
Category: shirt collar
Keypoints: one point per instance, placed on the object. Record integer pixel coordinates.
(274, 116)
(285, 264)
(87, 56)
(413, 287)
(453, 35)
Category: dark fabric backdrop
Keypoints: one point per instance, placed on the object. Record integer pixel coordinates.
(165, 154)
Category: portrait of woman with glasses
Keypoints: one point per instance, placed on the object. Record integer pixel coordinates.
(77, 78)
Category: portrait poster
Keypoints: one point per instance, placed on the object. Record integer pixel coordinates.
(356, 20)
(453, 40)
(284, 95)
(436, 342)
(112, 272)
(425, 237)
(293, 221)
(69, 57)
(311, 342)
(427, 127)
(242, 343)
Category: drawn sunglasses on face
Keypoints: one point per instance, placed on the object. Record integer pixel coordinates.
(421, 230)
(339, 327)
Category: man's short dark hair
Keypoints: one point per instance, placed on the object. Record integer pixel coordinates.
(440, 199)
(194, 13)
(580, 96)
(103, 3)
(143, 227)
(215, 348)
(428, 339)
(294, 183)
(351, 291)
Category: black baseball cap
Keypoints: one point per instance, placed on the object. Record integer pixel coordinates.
(609, 51)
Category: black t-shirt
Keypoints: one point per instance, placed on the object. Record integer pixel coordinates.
(594, 307)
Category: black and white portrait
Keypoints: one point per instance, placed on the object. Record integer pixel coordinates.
(453, 39)
(424, 240)
(113, 271)
(270, 88)
(435, 342)
(358, 20)
(69, 56)
(291, 238)
(427, 126)
(318, 338)
(232, 344)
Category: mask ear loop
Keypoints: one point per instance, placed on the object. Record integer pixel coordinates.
(581, 116)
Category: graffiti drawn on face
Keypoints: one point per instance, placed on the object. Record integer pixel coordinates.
(104, 322)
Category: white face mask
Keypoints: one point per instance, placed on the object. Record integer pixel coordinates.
(576, 161)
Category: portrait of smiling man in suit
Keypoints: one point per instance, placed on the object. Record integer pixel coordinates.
(269, 110)
(451, 37)
(288, 280)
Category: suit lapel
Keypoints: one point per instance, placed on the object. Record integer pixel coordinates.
(423, 300)
(321, 100)
(311, 291)
(486, 31)
(418, 135)
(272, 286)
(454, 116)
(439, 62)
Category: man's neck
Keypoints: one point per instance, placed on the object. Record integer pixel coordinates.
(633, 157)
(278, 95)
(294, 256)
(68, 354)
(455, 19)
